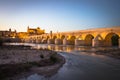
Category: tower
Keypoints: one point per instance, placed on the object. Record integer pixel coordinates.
(10, 30)
(27, 29)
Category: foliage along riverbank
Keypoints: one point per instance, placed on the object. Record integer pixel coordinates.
(17, 59)
(115, 53)
(112, 52)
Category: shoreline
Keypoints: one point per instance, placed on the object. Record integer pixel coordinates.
(44, 62)
(46, 71)
(114, 53)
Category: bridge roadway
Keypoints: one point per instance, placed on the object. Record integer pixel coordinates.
(90, 37)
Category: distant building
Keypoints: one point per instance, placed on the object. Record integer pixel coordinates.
(14, 34)
(22, 35)
(9, 33)
(35, 31)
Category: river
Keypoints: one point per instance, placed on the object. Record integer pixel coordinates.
(80, 65)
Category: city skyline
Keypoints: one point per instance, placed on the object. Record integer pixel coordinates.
(58, 15)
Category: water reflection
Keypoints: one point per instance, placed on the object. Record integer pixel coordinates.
(67, 48)
(64, 48)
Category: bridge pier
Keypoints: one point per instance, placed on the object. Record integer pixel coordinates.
(34, 41)
(29, 41)
(38, 41)
(79, 42)
(97, 43)
(65, 42)
(58, 41)
(44, 41)
(50, 41)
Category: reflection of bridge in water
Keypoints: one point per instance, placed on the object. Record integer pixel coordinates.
(92, 37)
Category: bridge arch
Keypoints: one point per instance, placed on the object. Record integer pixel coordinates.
(48, 37)
(79, 37)
(88, 39)
(54, 37)
(72, 39)
(112, 39)
(62, 37)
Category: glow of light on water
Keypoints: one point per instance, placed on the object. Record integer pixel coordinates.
(94, 54)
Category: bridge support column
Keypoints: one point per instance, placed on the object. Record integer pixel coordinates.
(29, 41)
(44, 41)
(50, 41)
(34, 41)
(38, 41)
(58, 41)
(65, 41)
(79, 42)
(97, 43)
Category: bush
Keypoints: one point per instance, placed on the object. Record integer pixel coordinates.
(41, 56)
(53, 58)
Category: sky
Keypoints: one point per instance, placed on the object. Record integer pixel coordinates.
(58, 15)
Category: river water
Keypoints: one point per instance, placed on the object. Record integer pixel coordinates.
(80, 65)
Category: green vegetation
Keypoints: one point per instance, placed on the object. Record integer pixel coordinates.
(41, 56)
(54, 58)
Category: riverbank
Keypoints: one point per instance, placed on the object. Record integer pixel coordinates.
(15, 60)
(114, 53)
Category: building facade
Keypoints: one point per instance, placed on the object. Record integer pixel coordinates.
(9, 33)
(35, 31)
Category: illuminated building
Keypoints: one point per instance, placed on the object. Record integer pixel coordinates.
(35, 31)
(10, 33)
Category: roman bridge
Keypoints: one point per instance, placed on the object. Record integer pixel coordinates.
(91, 37)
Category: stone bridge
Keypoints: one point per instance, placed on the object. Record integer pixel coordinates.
(90, 37)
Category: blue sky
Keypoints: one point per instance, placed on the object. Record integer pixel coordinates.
(59, 15)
